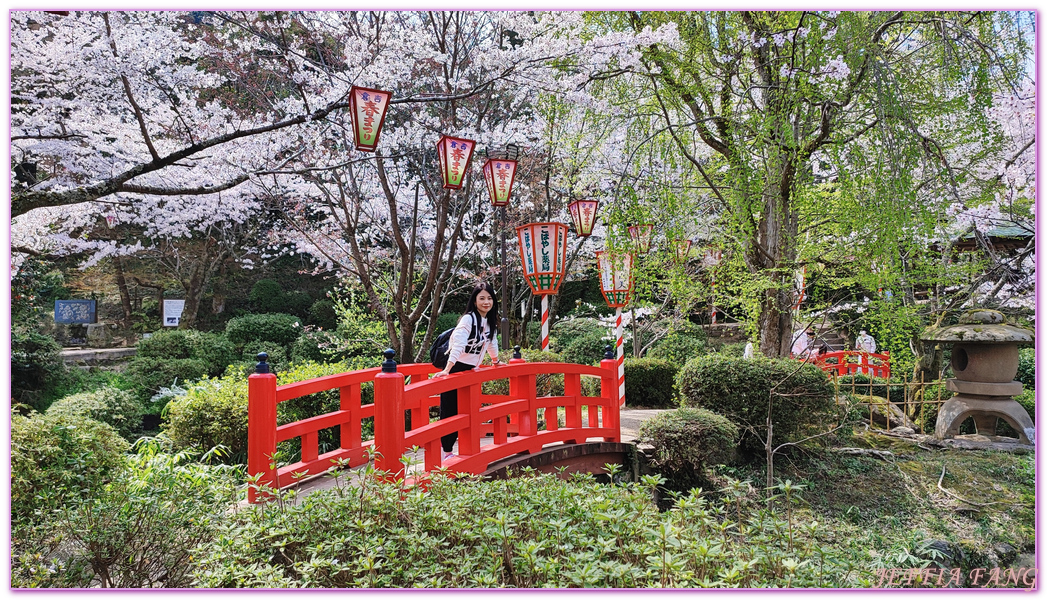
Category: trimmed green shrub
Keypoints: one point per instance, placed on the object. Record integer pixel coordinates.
(213, 348)
(57, 458)
(681, 345)
(587, 348)
(650, 382)
(1027, 367)
(149, 374)
(1028, 401)
(739, 389)
(264, 332)
(114, 407)
(298, 303)
(686, 441)
(444, 322)
(322, 314)
(35, 366)
(566, 331)
(267, 296)
(214, 411)
(142, 532)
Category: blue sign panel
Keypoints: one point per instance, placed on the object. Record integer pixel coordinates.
(74, 311)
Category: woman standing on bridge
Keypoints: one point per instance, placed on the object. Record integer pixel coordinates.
(466, 350)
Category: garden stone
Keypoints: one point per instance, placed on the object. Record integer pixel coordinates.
(98, 335)
(885, 414)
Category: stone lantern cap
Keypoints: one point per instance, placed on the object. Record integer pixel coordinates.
(980, 326)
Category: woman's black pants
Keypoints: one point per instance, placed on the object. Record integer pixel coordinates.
(449, 407)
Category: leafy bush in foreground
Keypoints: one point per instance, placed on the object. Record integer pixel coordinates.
(531, 531)
(686, 441)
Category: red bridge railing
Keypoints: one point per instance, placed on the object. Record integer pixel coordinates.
(511, 419)
(849, 362)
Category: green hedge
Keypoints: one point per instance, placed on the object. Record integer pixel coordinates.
(262, 333)
(36, 366)
(587, 348)
(686, 441)
(267, 296)
(59, 458)
(650, 383)
(214, 349)
(565, 331)
(117, 408)
(739, 389)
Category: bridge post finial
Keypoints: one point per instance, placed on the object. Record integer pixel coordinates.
(262, 367)
(608, 352)
(389, 366)
(516, 352)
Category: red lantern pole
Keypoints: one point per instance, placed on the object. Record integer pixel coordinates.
(543, 251)
(616, 283)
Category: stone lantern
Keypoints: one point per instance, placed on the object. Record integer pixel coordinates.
(985, 361)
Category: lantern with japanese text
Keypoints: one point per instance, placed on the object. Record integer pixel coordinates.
(367, 111)
(641, 236)
(499, 174)
(616, 283)
(543, 252)
(583, 213)
(683, 250)
(455, 154)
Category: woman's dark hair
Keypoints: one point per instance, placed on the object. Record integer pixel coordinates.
(492, 315)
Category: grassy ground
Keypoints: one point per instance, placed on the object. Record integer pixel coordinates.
(892, 514)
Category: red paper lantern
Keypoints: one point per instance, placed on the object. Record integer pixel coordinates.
(616, 277)
(641, 235)
(367, 111)
(499, 174)
(583, 213)
(455, 154)
(543, 251)
(683, 248)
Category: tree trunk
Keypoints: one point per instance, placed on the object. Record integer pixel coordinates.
(125, 295)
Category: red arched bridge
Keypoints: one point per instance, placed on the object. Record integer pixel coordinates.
(510, 419)
(850, 362)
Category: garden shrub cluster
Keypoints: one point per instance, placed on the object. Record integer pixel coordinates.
(650, 383)
(546, 384)
(35, 366)
(181, 355)
(531, 531)
(686, 441)
(140, 529)
(1027, 367)
(57, 458)
(116, 408)
(214, 411)
(263, 332)
(739, 389)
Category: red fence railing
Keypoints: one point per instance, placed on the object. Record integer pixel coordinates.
(849, 362)
(511, 419)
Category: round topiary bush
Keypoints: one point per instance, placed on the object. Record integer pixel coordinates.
(255, 332)
(117, 408)
(267, 296)
(650, 382)
(322, 314)
(214, 349)
(741, 389)
(587, 348)
(686, 441)
(56, 458)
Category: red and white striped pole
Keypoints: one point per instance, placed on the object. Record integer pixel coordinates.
(712, 301)
(545, 322)
(621, 354)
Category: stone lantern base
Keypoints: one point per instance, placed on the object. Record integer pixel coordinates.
(985, 410)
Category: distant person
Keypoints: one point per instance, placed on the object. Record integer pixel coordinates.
(464, 354)
(865, 343)
(803, 345)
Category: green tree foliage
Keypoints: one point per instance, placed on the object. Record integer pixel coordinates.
(650, 383)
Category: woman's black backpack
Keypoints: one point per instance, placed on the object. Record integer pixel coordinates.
(441, 348)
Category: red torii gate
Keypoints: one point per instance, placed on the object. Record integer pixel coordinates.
(478, 415)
